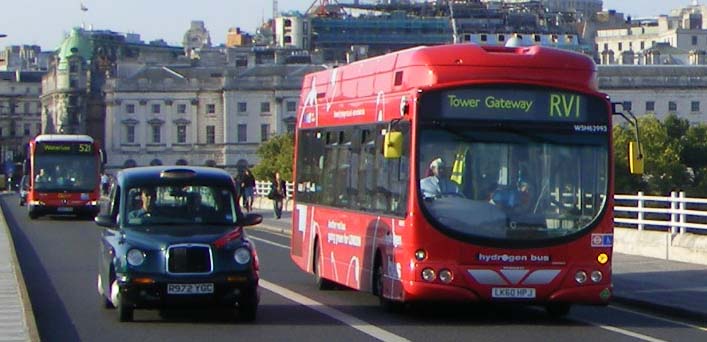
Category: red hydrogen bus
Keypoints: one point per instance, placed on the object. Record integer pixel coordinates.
(64, 173)
(457, 173)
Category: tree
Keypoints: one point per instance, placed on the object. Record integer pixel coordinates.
(276, 154)
(662, 145)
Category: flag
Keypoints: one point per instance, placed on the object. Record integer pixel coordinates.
(83, 7)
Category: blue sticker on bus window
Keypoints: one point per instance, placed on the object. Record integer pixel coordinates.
(602, 240)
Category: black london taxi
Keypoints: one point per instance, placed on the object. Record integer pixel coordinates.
(174, 237)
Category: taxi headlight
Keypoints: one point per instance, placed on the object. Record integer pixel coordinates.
(242, 255)
(135, 257)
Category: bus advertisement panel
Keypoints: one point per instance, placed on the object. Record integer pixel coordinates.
(482, 181)
(64, 173)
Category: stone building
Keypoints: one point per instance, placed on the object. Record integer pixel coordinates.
(72, 95)
(20, 118)
(199, 115)
(678, 38)
(658, 90)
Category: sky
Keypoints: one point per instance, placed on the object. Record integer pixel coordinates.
(47, 22)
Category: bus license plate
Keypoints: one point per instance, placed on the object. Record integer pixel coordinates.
(509, 292)
(65, 209)
(188, 289)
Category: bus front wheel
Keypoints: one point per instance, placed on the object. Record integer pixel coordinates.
(322, 283)
(32, 214)
(378, 275)
(558, 309)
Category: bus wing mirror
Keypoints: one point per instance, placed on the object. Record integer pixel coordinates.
(393, 145)
(635, 158)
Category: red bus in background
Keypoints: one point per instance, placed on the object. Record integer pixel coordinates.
(64, 173)
(457, 173)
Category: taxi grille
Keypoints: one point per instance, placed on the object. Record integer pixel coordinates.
(189, 259)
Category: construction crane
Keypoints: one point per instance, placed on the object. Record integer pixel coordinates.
(326, 8)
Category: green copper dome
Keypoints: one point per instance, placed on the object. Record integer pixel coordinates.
(77, 43)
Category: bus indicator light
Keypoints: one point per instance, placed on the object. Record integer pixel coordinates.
(602, 258)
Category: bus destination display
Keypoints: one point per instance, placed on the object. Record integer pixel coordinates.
(521, 104)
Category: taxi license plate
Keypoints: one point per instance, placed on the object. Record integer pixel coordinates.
(509, 292)
(65, 209)
(187, 289)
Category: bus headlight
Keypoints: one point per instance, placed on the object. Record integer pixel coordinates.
(597, 276)
(580, 277)
(428, 274)
(420, 254)
(446, 276)
(242, 255)
(136, 257)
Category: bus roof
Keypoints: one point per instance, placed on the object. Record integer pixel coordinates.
(432, 66)
(63, 137)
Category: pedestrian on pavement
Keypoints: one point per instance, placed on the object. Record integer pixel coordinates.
(278, 192)
(248, 186)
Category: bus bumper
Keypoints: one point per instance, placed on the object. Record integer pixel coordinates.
(39, 210)
(589, 295)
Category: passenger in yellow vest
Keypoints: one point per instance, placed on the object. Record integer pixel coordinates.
(436, 184)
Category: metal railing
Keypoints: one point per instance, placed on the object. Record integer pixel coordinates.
(262, 188)
(676, 213)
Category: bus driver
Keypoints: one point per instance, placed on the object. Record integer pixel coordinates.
(436, 183)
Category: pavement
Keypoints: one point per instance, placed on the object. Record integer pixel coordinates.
(661, 286)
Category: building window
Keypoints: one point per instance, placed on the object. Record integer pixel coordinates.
(501, 38)
(210, 108)
(291, 106)
(181, 134)
(156, 108)
(627, 105)
(694, 40)
(695, 106)
(181, 108)
(643, 45)
(130, 134)
(264, 132)
(606, 46)
(156, 134)
(38, 128)
(650, 106)
(27, 130)
(621, 46)
(242, 133)
(265, 107)
(672, 106)
(210, 134)
(242, 107)
(130, 108)
(484, 38)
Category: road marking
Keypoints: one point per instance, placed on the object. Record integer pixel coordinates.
(268, 242)
(620, 331)
(362, 326)
(347, 319)
(685, 324)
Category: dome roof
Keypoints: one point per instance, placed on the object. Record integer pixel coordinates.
(77, 43)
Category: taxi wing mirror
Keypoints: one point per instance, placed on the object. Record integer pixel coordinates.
(393, 145)
(105, 221)
(252, 219)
